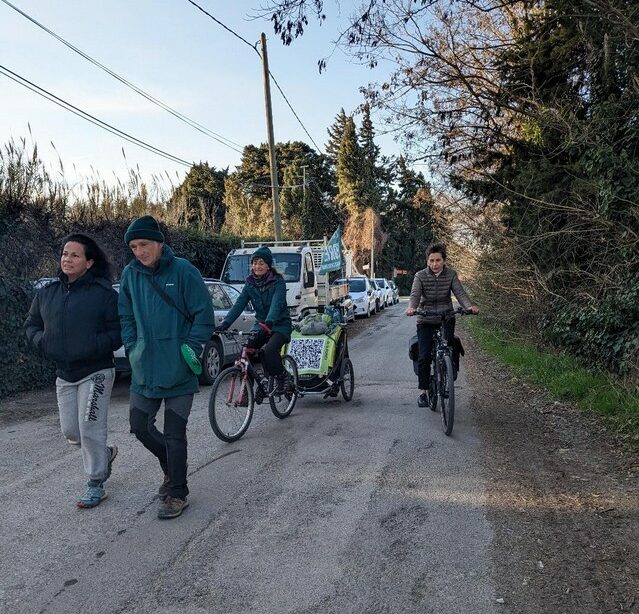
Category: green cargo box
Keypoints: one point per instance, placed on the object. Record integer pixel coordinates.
(314, 354)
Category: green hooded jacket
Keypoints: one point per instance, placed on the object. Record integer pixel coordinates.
(153, 330)
(269, 301)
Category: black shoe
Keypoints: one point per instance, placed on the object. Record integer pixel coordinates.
(163, 491)
(423, 400)
(172, 507)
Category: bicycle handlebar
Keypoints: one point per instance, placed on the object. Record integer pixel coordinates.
(446, 314)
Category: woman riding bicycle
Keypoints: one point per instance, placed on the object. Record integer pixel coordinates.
(431, 291)
(265, 288)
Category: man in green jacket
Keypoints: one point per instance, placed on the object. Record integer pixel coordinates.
(165, 309)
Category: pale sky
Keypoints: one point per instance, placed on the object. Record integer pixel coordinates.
(179, 55)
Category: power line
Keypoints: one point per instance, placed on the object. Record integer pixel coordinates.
(217, 21)
(203, 129)
(90, 118)
(254, 47)
(294, 113)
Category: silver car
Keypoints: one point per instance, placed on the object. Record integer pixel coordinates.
(220, 350)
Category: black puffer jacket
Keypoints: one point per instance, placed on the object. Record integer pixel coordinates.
(433, 292)
(76, 325)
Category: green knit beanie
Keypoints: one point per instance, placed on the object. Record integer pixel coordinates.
(264, 253)
(145, 227)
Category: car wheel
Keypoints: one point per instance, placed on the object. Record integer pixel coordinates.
(211, 362)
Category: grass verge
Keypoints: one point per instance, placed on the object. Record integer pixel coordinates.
(564, 377)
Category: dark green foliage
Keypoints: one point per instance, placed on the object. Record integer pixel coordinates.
(22, 367)
(199, 201)
(305, 213)
(604, 333)
(206, 252)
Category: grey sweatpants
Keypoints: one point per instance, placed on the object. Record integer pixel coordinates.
(83, 409)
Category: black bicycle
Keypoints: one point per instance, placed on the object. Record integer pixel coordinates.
(239, 388)
(442, 370)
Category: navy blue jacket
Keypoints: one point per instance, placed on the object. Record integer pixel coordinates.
(76, 325)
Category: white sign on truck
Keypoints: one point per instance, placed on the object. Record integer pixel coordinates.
(299, 263)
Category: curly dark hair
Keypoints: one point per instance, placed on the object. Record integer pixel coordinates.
(92, 251)
(436, 248)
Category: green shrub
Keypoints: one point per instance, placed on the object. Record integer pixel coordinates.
(603, 332)
(22, 367)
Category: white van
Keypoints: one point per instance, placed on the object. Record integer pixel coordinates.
(298, 262)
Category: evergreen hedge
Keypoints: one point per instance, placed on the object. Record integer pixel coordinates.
(22, 367)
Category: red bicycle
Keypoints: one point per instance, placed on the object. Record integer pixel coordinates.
(239, 388)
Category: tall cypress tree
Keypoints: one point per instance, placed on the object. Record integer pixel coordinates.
(370, 153)
(349, 171)
(335, 133)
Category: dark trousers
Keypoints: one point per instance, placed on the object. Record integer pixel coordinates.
(425, 339)
(271, 347)
(169, 447)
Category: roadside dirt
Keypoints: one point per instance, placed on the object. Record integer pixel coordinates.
(562, 497)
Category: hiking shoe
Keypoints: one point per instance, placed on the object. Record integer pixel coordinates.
(163, 491)
(113, 452)
(277, 385)
(423, 400)
(172, 507)
(93, 496)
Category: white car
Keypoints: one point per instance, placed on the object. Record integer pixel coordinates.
(220, 350)
(361, 293)
(379, 295)
(387, 291)
(395, 290)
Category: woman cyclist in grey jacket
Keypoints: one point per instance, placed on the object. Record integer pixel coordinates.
(431, 291)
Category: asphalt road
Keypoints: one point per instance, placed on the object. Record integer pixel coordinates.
(343, 507)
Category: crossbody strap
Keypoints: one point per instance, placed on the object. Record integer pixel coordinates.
(167, 299)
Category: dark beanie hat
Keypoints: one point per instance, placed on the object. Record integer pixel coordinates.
(145, 227)
(264, 253)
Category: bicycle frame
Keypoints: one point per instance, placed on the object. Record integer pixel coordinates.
(248, 370)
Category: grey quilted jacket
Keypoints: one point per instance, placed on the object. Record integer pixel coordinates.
(433, 293)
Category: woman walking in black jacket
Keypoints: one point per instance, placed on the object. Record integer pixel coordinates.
(74, 322)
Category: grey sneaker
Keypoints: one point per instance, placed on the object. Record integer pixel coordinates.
(172, 507)
(93, 496)
(113, 452)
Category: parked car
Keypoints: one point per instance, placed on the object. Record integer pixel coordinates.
(395, 289)
(361, 293)
(379, 296)
(220, 350)
(387, 292)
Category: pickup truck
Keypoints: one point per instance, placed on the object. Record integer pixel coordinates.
(299, 263)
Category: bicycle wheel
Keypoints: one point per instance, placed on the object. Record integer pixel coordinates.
(231, 404)
(347, 379)
(432, 388)
(282, 404)
(447, 394)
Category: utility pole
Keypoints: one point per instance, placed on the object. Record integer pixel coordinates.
(277, 220)
(304, 180)
(372, 244)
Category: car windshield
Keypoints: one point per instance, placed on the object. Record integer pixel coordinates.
(356, 285)
(238, 267)
(381, 283)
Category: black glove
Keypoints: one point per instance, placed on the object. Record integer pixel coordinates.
(220, 328)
